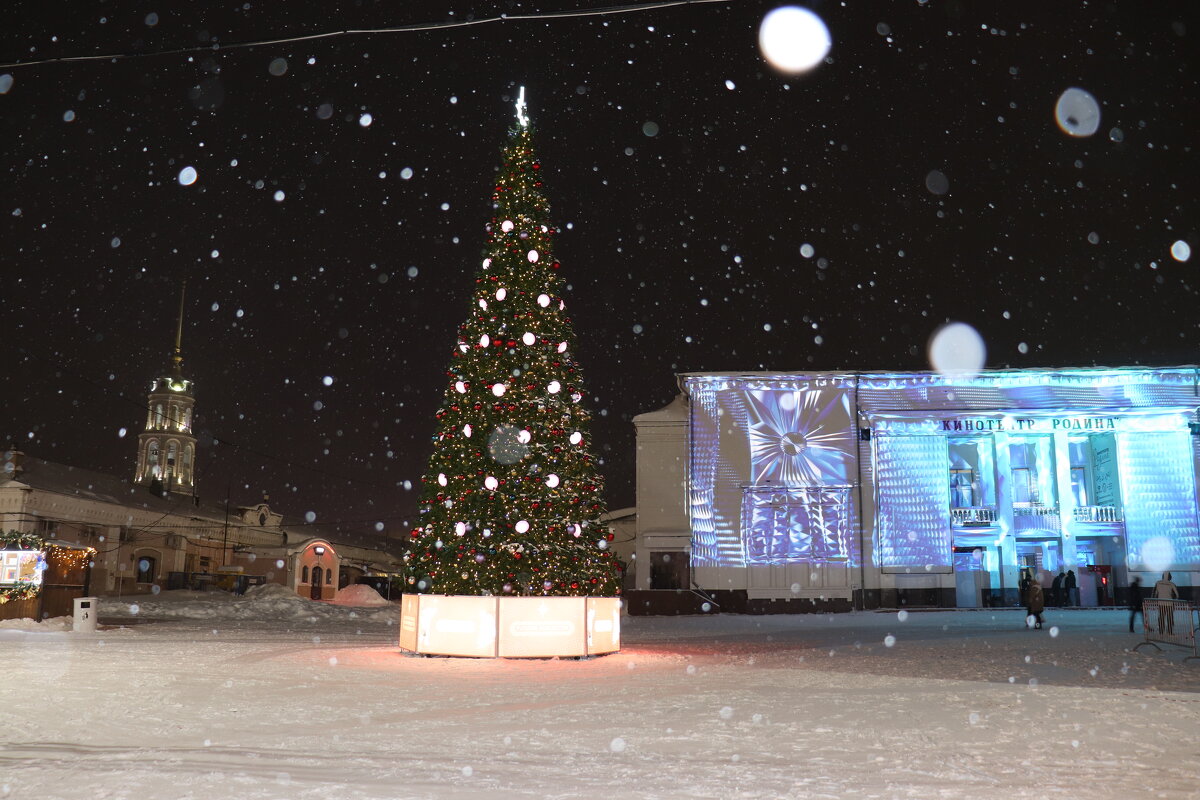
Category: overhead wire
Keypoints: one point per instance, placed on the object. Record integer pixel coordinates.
(413, 28)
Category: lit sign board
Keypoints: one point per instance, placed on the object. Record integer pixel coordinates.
(510, 627)
(21, 566)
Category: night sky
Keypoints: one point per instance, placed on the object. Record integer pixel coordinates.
(687, 175)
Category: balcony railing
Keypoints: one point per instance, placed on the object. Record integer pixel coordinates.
(978, 515)
(1034, 511)
(1098, 514)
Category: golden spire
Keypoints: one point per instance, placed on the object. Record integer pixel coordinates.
(177, 359)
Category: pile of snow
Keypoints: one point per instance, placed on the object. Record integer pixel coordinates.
(56, 624)
(360, 595)
(267, 602)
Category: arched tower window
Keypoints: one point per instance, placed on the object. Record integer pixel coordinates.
(158, 415)
(188, 453)
(153, 469)
(304, 575)
(172, 453)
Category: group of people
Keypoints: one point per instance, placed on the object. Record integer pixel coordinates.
(1065, 589)
(1035, 599)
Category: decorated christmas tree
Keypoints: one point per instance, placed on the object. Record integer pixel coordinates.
(511, 502)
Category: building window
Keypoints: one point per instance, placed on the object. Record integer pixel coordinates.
(304, 575)
(328, 576)
(972, 473)
(1032, 462)
(145, 569)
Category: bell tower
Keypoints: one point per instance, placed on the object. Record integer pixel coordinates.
(167, 448)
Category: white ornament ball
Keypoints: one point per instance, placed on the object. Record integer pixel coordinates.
(467, 431)
(528, 338)
(524, 436)
(487, 262)
(460, 529)
(483, 304)
(533, 256)
(553, 387)
(544, 300)
(491, 483)
(501, 294)
(442, 478)
(498, 389)
(562, 347)
(552, 480)
(576, 437)
(485, 340)
(521, 527)
(507, 225)
(459, 386)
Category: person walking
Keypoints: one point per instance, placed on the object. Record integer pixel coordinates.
(1135, 601)
(1056, 588)
(1024, 587)
(1072, 588)
(1037, 604)
(1166, 590)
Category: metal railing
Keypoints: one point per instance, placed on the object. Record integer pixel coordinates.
(1098, 514)
(1169, 622)
(975, 515)
(1034, 511)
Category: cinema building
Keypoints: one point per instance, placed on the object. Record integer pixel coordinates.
(840, 490)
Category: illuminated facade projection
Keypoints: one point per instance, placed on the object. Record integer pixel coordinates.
(845, 490)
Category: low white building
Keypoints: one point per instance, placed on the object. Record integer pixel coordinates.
(824, 490)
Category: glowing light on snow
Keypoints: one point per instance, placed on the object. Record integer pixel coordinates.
(562, 347)
(553, 387)
(460, 387)
(498, 389)
(121, 433)
(6, 82)
(957, 349)
(889, 641)
(467, 431)
(68, 116)
(1181, 251)
(327, 380)
(406, 174)
(501, 293)
(507, 225)
(552, 480)
(279, 196)
(187, 176)
(617, 745)
(460, 529)
(730, 85)
(807, 250)
(441, 479)
(533, 256)
(521, 527)
(576, 437)
(650, 128)
(215, 254)
(528, 338)
(1077, 112)
(491, 483)
(485, 340)
(115, 242)
(544, 300)
(277, 67)
(793, 40)
(365, 120)
(310, 516)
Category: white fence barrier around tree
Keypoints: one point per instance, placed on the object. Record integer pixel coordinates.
(1170, 622)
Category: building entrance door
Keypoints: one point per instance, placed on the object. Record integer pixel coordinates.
(317, 577)
(972, 578)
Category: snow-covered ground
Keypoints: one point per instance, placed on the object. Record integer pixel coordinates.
(273, 696)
